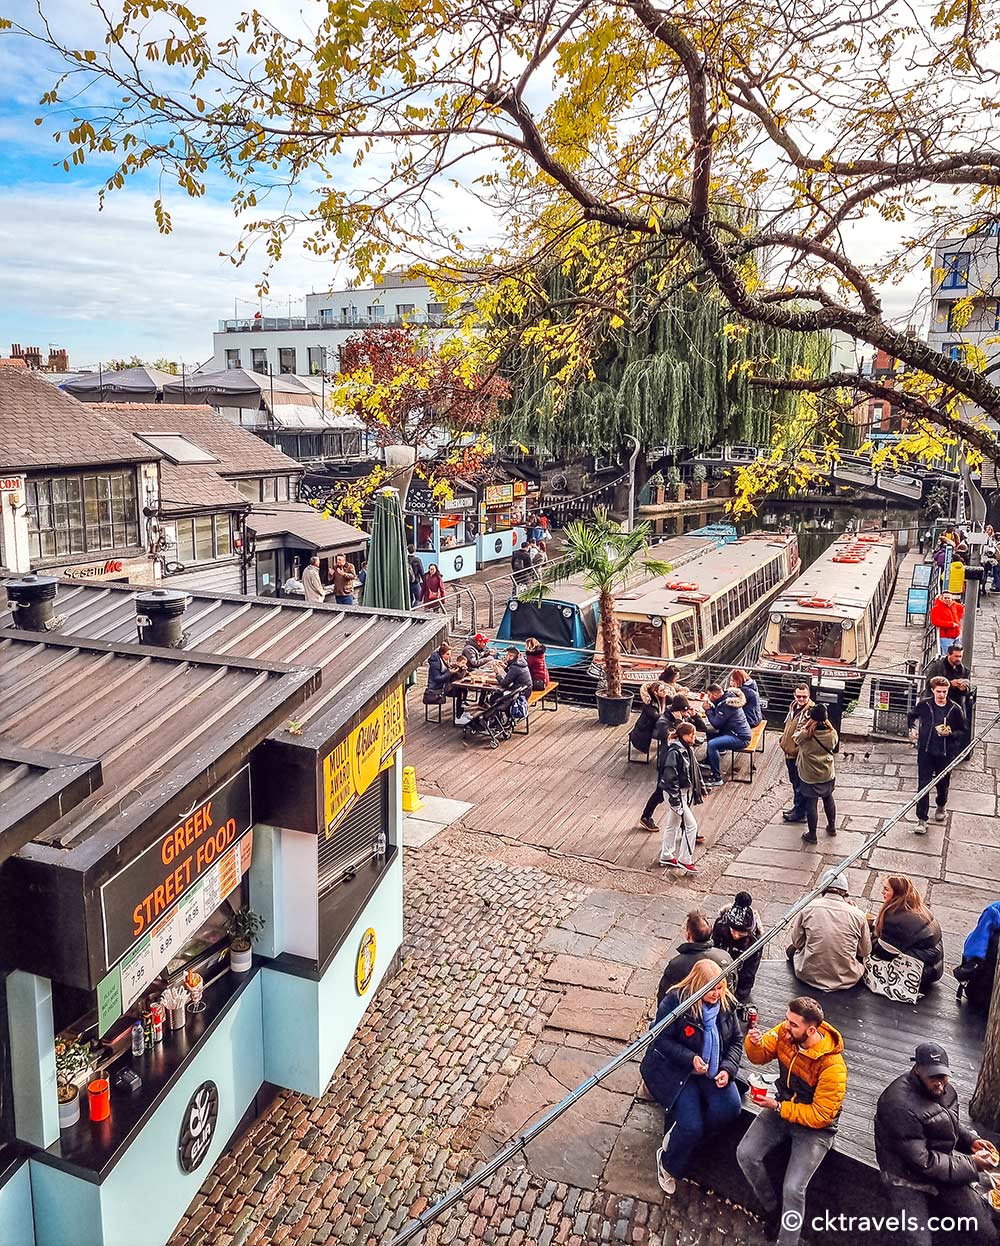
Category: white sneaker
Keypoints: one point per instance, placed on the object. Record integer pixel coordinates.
(920, 828)
(462, 720)
(667, 1184)
(940, 815)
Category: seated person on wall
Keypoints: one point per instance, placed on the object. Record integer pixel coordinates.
(829, 940)
(697, 946)
(653, 701)
(728, 724)
(906, 925)
(928, 1159)
(977, 971)
(752, 709)
(735, 929)
(534, 655)
(690, 1069)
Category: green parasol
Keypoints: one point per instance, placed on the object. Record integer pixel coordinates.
(387, 584)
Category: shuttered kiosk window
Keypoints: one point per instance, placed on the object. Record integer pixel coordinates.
(356, 839)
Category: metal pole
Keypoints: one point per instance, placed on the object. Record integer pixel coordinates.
(516, 1145)
(630, 523)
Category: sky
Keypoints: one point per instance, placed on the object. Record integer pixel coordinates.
(105, 283)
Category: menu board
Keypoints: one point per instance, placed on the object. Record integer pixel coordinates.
(165, 938)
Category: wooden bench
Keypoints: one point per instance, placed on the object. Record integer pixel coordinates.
(547, 698)
(756, 745)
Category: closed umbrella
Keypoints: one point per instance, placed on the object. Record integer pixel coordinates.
(387, 584)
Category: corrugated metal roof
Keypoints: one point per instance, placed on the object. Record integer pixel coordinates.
(156, 719)
(36, 788)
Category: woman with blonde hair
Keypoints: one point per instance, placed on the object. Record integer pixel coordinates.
(690, 1068)
(905, 924)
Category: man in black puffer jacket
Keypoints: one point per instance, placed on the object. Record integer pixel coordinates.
(928, 1159)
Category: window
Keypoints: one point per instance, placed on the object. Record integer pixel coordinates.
(269, 488)
(996, 314)
(259, 358)
(177, 449)
(233, 358)
(956, 270)
(81, 514)
(249, 488)
(642, 638)
(349, 315)
(404, 309)
(317, 359)
(283, 488)
(682, 637)
(956, 352)
(435, 309)
(204, 538)
(809, 637)
(376, 312)
(286, 360)
(953, 327)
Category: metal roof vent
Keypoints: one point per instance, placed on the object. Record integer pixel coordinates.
(159, 617)
(32, 598)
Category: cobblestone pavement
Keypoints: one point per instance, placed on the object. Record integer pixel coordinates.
(402, 1120)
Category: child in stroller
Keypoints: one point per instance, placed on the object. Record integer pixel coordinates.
(492, 721)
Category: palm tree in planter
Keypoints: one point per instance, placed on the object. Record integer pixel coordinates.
(606, 556)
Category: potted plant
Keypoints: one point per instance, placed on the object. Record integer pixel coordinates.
(74, 1065)
(657, 491)
(604, 553)
(675, 483)
(243, 929)
(700, 487)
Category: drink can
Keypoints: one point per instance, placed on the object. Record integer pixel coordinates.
(752, 1017)
(157, 1013)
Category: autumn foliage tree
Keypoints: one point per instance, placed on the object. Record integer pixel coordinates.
(793, 161)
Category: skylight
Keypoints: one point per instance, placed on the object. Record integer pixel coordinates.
(177, 448)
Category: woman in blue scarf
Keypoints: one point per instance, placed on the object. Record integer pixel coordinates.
(690, 1069)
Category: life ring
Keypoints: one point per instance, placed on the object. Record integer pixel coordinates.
(870, 540)
(846, 558)
(816, 603)
(681, 586)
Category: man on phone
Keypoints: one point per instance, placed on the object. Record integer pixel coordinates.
(804, 1109)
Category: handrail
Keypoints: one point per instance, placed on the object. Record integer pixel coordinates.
(516, 1145)
(456, 615)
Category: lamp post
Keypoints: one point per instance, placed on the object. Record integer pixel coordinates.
(630, 522)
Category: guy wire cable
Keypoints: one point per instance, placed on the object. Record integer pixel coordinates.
(515, 1145)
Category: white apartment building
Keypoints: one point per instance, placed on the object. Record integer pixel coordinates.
(966, 267)
(309, 344)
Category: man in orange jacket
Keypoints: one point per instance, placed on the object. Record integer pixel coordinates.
(812, 1080)
(946, 616)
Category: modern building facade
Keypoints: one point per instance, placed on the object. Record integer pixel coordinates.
(310, 344)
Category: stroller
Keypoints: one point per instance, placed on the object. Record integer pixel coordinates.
(491, 722)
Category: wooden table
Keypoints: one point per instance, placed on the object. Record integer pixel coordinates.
(475, 681)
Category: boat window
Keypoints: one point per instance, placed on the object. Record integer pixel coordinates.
(682, 637)
(642, 638)
(814, 638)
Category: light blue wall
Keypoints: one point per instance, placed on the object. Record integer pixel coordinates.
(147, 1185)
(16, 1225)
(32, 1058)
(265, 889)
(307, 1024)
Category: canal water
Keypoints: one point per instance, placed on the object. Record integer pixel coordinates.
(819, 526)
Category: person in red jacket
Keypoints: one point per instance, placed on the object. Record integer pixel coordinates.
(946, 616)
(534, 652)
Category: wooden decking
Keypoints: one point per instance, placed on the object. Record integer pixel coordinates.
(567, 786)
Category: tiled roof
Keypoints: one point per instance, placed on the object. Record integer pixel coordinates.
(303, 523)
(41, 427)
(184, 486)
(239, 452)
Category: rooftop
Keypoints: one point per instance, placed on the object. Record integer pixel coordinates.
(303, 525)
(43, 428)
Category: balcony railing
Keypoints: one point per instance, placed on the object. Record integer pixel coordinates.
(276, 323)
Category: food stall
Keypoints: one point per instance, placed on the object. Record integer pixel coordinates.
(498, 537)
(441, 532)
(210, 910)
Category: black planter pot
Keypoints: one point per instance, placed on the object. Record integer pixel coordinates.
(614, 711)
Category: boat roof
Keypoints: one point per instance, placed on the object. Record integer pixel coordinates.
(677, 550)
(848, 585)
(712, 571)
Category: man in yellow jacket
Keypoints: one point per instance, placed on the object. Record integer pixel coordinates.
(812, 1080)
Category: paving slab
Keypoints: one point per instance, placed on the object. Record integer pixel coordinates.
(972, 898)
(558, 940)
(896, 861)
(974, 860)
(984, 803)
(441, 809)
(902, 837)
(637, 948)
(573, 1150)
(973, 828)
(631, 1168)
(600, 975)
(590, 919)
(799, 877)
(599, 1013)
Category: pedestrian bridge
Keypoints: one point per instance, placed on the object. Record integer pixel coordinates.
(908, 484)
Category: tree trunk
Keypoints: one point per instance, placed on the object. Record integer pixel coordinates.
(985, 1105)
(610, 645)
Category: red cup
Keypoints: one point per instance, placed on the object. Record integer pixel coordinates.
(100, 1099)
(758, 1093)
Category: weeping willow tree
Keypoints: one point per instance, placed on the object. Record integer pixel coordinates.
(683, 377)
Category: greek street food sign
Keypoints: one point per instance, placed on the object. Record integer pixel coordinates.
(352, 767)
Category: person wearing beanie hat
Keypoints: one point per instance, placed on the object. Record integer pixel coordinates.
(735, 929)
(817, 743)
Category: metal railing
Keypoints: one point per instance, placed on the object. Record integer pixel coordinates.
(458, 605)
(514, 1146)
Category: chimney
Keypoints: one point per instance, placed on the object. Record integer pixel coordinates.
(159, 617)
(32, 598)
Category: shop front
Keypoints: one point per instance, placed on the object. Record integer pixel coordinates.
(124, 920)
(501, 521)
(442, 533)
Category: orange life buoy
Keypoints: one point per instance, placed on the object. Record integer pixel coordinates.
(870, 540)
(681, 586)
(816, 603)
(847, 558)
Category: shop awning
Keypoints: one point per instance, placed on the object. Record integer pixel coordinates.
(36, 788)
(296, 525)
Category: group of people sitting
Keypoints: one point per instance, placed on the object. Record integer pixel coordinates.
(685, 741)
(516, 674)
(928, 1161)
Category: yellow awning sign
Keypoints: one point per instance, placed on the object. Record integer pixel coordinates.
(355, 763)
